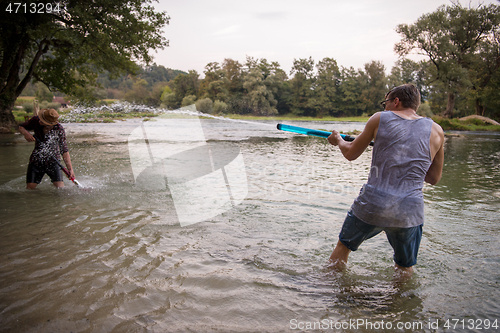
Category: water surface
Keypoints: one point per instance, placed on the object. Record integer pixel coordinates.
(114, 258)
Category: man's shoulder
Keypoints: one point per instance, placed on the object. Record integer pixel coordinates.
(375, 117)
(437, 134)
(437, 128)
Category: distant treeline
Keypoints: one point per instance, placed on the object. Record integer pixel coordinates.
(460, 75)
(259, 87)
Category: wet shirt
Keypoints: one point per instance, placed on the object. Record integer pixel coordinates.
(393, 196)
(53, 144)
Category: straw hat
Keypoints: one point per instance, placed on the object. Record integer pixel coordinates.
(48, 116)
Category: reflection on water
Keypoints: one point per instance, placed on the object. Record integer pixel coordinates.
(114, 258)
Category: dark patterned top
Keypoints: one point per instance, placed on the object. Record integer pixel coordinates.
(50, 145)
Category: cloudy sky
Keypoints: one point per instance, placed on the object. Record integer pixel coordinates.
(353, 32)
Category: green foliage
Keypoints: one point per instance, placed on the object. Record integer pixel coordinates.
(375, 86)
(21, 101)
(188, 100)
(462, 46)
(28, 107)
(47, 105)
(88, 95)
(260, 99)
(43, 93)
(424, 110)
(95, 56)
(302, 85)
(170, 101)
(220, 107)
(328, 87)
(185, 85)
(67, 49)
(156, 77)
(139, 93)
(205, 105)
(467, 125)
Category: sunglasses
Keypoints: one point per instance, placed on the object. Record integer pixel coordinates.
(387, 100)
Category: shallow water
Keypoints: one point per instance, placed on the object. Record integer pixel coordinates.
(114, 258)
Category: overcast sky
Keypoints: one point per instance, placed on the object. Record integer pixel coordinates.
(353, 32)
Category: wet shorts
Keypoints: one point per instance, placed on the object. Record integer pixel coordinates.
(404, 241)
(35, 173)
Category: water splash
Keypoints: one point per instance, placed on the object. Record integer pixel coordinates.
(82, 113)
(48, 149)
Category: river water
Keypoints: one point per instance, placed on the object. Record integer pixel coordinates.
(127, 254)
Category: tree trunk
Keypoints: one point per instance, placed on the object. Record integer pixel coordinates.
(448, 113)
(7, 120)
(11, 85)
(479, 108)
(12, 55)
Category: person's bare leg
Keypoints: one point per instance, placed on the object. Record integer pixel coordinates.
(339, 256)
(31, 186)
(402, 274)
(58, 184)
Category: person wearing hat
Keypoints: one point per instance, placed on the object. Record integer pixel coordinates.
(50, 143)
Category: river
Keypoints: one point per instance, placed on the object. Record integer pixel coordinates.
(235, 237)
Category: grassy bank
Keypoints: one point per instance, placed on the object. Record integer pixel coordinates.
(465, 125)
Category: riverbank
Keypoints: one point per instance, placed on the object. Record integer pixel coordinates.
(124, 111)
(469, 124)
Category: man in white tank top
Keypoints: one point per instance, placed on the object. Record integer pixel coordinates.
(408, 152)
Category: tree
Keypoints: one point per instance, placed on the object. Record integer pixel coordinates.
(450, 37)
(139, 93)
(233, 73)
(327, 86)
(485, 73)
(302, 87)
(352, 84)
(66, 49)
(409, 71)
(376, 86)
(215, 83)
(185, 85)
(260, 98)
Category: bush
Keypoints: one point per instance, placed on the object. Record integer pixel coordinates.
(28, 107)
(188, 100)
(204, 105)
(450, 124)
(477, 122)
(170, 101)
(47, 105)
(220, 107)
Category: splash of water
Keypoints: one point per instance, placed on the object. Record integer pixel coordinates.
(48, 149)
(83, 113)
(195, 113)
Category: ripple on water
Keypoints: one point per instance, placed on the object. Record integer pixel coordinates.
(116, 258)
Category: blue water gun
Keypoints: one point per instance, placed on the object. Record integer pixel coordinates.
(313, 132)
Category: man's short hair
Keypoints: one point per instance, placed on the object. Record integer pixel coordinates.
(408, 94)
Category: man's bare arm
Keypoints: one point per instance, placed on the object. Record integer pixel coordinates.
(352, 150)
